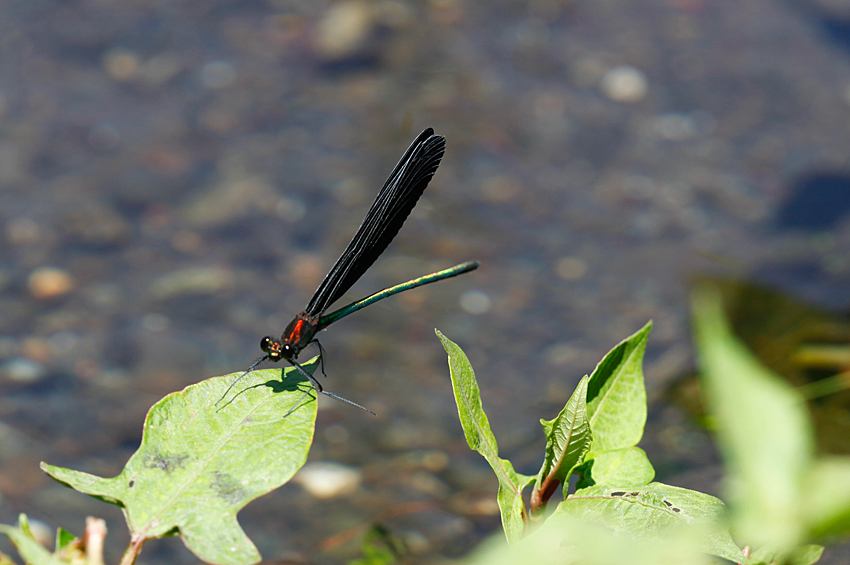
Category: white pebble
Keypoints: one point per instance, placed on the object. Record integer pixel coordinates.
(625, 84)
(343, 28)
(475, 302)
(327, 480)
(23, 370)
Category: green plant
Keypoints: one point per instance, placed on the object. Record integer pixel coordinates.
(595, 437)
(781, 497)
(199, 464)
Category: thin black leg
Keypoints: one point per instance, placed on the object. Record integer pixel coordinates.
(318, 388)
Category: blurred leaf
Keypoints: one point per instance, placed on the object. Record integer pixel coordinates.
(32, 552)
(802, 343)
(826, 386)
(804, 555)
(656, 512)
(380, 547)
(24, 525)
(567, 438)
(63, 539)
(69, 548)
(476, 428)
(763, 429)
(564, 540)
(5, 559)
(199, 464)
(616, 396)
(827, 497)
(629, 467)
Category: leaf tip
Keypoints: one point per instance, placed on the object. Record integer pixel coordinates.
(643, 333)
(448, 344)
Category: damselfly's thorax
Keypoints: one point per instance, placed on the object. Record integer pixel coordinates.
(295, 337)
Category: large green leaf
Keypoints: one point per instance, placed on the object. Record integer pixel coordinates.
(479, 436)
(763, 428)
(655, 512)
(616, 395)
(199, 463)
(567, 437)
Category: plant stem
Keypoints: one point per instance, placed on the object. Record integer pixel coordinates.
(132, 551)
(94, 538)
(540, 496)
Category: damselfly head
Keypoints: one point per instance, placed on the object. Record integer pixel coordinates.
(277, 349)
(271, 347)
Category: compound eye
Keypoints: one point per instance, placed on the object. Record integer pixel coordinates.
(266, 343)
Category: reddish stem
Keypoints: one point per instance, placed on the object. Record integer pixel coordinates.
(540, 496)
(132, 551)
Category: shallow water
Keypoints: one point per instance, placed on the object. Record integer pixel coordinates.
(190, 172)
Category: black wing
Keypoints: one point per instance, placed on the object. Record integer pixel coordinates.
(386, 216)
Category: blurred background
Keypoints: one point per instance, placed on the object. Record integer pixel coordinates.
(177, 177)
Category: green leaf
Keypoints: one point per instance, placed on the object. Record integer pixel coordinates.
(826, 497)
(629, 467)
(63, 539)
(380, 547)
(476, 428)
(199, 464)
(567, 438)
(806, 554)
(24, 525)
(771, 555)
(563, 540)
(511, 505)
(5, 559)
(616, 396)
(70, 548)
(763, 430)
(32, 552)
(656, 512)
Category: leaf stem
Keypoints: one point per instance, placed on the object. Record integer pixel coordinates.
(132, 551)
(540, 496)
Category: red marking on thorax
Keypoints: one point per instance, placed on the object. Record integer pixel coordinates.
(297, 330)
